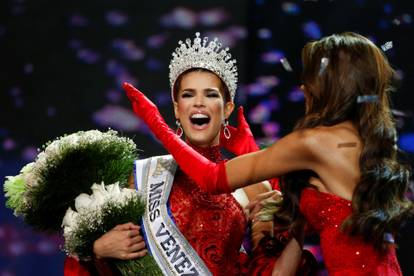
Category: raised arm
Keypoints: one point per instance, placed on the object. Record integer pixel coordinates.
(290, 153)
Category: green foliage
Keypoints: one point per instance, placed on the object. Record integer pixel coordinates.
(72, 172)
(14, 187)
(67, 167)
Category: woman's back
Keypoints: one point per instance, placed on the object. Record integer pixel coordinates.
(337, 149)
(343, 254)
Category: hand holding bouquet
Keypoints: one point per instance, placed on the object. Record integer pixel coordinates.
(97, 214)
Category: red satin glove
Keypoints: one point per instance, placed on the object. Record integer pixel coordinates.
(209, 176)
(241, 139)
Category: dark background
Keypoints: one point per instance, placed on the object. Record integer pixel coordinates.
(62, 64)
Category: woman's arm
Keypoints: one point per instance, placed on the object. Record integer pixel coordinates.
(294, 152)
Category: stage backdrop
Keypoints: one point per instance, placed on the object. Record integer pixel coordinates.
(62, 64)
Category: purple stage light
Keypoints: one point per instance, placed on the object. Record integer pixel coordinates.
(116, 18)
(312, 30)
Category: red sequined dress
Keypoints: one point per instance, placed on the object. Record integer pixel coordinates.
(214, 225)
(343, 255)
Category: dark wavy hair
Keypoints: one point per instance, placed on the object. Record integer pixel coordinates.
(356, 68)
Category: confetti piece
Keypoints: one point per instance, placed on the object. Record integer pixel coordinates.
(324, 64)
(286, 64)
(347, 145)
(388, 237)
(388, 45)
(367, 99)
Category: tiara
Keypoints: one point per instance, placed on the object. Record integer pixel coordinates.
(206, 55)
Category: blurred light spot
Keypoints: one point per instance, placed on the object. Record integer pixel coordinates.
(47, 247)
(399, 75)
(116, 18)
(237, 32)
(212, 17)
(77, 20)
(290, 8)
(312, 30)
(387, 8)
(154, 64)
(272, 56)
(296, 95)
(29, 153)
(163, 98)
(128, 49)
(75, 44)
(117, 117)
(256, 89)
(15, 91)
(406, 18)
(28, 68)
(16, 248)
(259, 114)
(18, 102)
(271, 129)
(114, 96)
(180, 17)
(9, 144)
(270, 81)
(264, 33)
(51, 111)
(383, 24)
(114, 68)
(156, 41)
(88, 56)
(406, 142)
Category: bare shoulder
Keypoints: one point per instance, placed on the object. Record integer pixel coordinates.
(324, 141)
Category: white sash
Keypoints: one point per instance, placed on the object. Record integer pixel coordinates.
(175, 256)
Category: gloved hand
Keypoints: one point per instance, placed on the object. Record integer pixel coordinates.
(241, 139)
(209, 176)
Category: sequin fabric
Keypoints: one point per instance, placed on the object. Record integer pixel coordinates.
(343, 255)
(213, 224)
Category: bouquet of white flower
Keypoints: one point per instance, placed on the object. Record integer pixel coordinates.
(68, 166)
(98, 213)
(44, 190)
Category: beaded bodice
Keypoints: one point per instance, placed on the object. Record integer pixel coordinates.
(213, 224)
(343, 254)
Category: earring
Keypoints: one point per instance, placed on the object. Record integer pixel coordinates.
(226, 130)
(179, 131)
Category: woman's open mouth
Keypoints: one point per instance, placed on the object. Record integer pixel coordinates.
(199, 120)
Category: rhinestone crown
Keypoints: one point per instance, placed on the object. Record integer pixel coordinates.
(206, 55)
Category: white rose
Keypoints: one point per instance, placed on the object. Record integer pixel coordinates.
(113, 189)
(70, 218)
(99, 195)
(83, 202)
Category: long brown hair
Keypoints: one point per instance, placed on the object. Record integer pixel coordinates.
(355, 67)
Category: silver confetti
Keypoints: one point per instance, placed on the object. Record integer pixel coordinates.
(324, 64)
(286, 64)
(386, 46)
(367, 99)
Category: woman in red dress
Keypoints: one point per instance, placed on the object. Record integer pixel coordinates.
(340, 163)
(203, 90)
